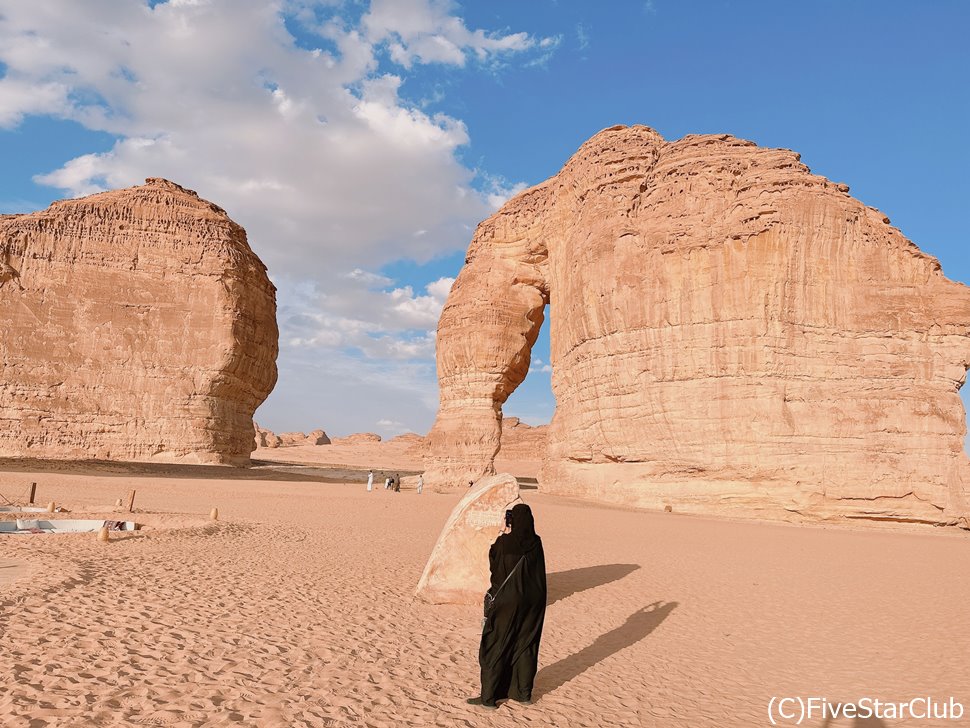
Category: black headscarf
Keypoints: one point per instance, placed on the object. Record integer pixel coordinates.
(523, 535)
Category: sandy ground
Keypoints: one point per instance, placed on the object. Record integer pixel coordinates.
(295, 609)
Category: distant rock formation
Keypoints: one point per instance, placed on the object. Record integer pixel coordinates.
(359, 438)
(317, 437)
(408, 438)
(732, 334)
(137, 325)
(523, 442)
(268, 438)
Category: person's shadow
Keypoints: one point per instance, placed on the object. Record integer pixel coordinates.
(564, 584)
(637, 626)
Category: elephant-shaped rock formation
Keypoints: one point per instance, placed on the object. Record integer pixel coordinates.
(730, 334)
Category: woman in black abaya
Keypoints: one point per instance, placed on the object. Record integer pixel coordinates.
(509, 652)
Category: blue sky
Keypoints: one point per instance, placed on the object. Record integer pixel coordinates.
(452, 107)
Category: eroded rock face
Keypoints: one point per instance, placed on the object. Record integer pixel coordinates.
(137, 325)
(731, 334)
(523, 442)
(458, 572)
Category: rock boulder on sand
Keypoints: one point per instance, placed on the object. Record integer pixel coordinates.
(317, 437)
(266, 438)
(731, 334)
(137, 325)
(458, 572)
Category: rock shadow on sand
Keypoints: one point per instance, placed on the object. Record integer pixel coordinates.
(564, 584)
(637, 626)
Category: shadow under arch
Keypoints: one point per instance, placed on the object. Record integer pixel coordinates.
(637, 626)
(562, 584)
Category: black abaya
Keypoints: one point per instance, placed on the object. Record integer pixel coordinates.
(509, 652)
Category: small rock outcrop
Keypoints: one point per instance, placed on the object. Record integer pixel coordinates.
(359, 438)
(731, 334)
(268, 438)
(137, 325)
(458, 572)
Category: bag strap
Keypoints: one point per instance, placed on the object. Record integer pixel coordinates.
(509, 576)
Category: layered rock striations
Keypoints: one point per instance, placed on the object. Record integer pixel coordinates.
(137, 325)
(730, 334)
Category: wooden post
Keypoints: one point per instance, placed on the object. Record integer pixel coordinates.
(51, 507)
(33, 492)
(214, 514)
(131, 501)
(103, 534)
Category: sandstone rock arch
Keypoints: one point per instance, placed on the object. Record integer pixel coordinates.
(731, 334)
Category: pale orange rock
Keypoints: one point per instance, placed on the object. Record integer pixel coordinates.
(408, 438)
(317, 437)
(358, 438)
(269, 439)
(731, 334)
(523, 442)
(137, 325)
(266, 438)
(457, 571)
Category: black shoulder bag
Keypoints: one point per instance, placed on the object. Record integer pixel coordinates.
(490, 598)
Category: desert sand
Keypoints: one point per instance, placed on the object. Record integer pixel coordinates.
(295, 609)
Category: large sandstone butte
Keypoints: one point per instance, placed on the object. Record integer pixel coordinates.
(730, 334)
(137, 325)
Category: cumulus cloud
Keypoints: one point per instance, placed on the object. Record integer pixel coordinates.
(537, 365)
(427, 31)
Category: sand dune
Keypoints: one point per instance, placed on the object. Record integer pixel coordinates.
(295, 609)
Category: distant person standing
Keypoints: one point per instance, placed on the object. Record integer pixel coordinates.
(420, 483)
(509, 651)
(397, 482)
(370, 481)
(387, 483)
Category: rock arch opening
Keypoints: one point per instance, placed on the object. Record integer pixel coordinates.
(533, 401)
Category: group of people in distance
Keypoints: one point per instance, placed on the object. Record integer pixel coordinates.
(392, 482)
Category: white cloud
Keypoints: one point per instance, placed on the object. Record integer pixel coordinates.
(537, 365)
(19, 98)
(360, 313)
(312, 149)
(427, 31)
